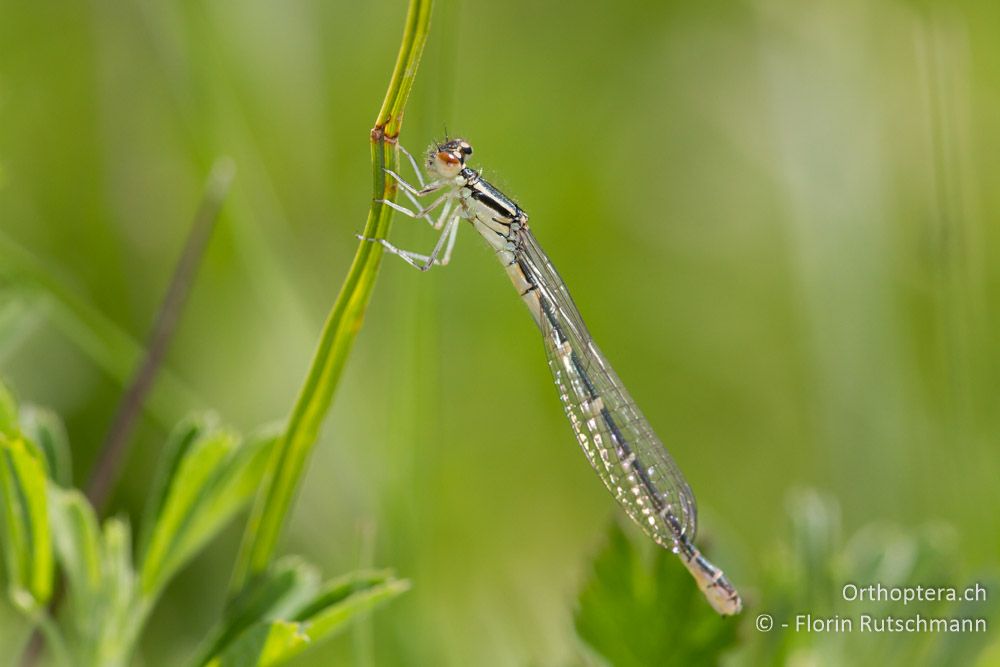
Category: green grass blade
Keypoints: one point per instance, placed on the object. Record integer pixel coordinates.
(292, 451)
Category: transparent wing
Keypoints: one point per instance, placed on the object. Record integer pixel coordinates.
(616, 438)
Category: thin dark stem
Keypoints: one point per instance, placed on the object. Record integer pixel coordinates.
(115, 447)
(106, 470)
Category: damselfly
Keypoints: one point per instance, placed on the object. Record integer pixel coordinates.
(618, 441)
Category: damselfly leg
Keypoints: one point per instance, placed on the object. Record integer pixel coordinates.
(447, 220)
(412, 192)
(420, 213)
(420, 179)
(413, 163)
(445, 242)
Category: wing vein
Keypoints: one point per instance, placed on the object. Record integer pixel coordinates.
(614, 435)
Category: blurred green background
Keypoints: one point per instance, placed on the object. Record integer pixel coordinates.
(778, 218)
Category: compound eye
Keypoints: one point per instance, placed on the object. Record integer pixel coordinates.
(467, 149)
(448, 158)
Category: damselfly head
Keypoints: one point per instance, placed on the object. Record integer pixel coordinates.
(448, 158)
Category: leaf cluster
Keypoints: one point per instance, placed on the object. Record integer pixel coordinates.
(207, 474)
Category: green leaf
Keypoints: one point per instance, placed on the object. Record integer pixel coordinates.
(8, 413)
(235, 487)
(46, 429)
(77, 538)
(121, 612)
(27, 541)
(265, 644)
(178, 443)
(119, 575)
(102, 605)
(643, 609)
(340, 589)
(340, 602)
(213, 477)
(286, 587)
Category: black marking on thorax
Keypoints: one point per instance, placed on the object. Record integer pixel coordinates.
(489, 196)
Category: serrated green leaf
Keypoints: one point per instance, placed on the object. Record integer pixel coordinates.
(44, 428)
(286, 587)
(214, 478)
(341, 601)
(27, 538)
(642, 609)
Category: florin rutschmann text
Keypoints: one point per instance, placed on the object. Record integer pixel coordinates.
(874, 623)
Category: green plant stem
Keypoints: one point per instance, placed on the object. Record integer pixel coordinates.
(289, 458)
